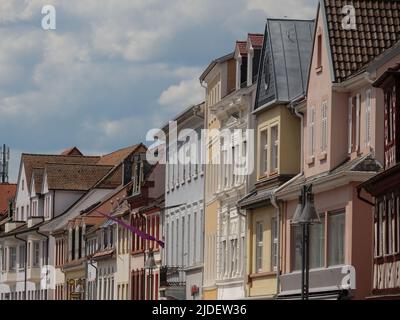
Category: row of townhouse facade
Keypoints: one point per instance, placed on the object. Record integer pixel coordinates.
(306, 103)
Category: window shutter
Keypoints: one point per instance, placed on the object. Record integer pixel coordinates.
(368, 118)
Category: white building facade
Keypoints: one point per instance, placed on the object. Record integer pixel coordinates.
(184, 214)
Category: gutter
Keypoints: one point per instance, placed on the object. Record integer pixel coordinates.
(363, 199)
(26, 265)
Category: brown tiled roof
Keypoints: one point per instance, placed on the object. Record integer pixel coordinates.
(74, 151)
(378, 28)
(38, 161)
(7, 192)
(74, 176)
(256, 39)
(241, 46)
(118, 156)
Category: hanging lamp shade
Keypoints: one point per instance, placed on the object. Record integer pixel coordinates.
(297, 213)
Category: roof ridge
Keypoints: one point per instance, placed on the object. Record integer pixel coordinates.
(121, 149)
(57, 155)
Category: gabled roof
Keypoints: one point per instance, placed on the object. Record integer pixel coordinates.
(285, 61)
(74, 151)
(378, 28)
(214, 63)
(37, 161)
(7, 192)
(77, 177)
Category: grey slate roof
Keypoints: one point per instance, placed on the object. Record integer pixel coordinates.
(285, 60)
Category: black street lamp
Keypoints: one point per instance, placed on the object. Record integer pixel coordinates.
(150, 265)
(304, 216)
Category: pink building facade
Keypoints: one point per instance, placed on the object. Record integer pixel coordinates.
(342, 135)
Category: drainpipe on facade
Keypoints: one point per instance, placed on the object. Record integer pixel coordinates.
(26, 265)
(273, 197)
(47, 251)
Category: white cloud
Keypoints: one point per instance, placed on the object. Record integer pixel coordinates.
(113, 69)
(298, 9)
(179, 96)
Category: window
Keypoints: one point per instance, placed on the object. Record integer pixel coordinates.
(264, 151)
(324, 126)
(22, 213)
(274, 244)
(296, 247)
(354, 123)
(317, 244)
(3, 257)
(311, 132)
(390, 96)
(13, 258)
(22, 253)
(259, 246)
(336, 240)
(367, 118)
(36, 253)
(274, 148)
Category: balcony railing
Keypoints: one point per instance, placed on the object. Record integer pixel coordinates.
(172, 276)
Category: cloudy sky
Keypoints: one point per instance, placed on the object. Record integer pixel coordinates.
(113, 69)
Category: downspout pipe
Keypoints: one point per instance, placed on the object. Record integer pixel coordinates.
(47, 251)
(274, 200)
(26, 265)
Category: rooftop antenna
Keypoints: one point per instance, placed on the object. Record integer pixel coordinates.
(4, 161)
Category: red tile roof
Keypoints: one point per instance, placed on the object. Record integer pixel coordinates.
(118, 156)
(378, 28)
(7, 192)
(256, 39)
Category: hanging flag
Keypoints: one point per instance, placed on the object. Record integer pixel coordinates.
(134, 230)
